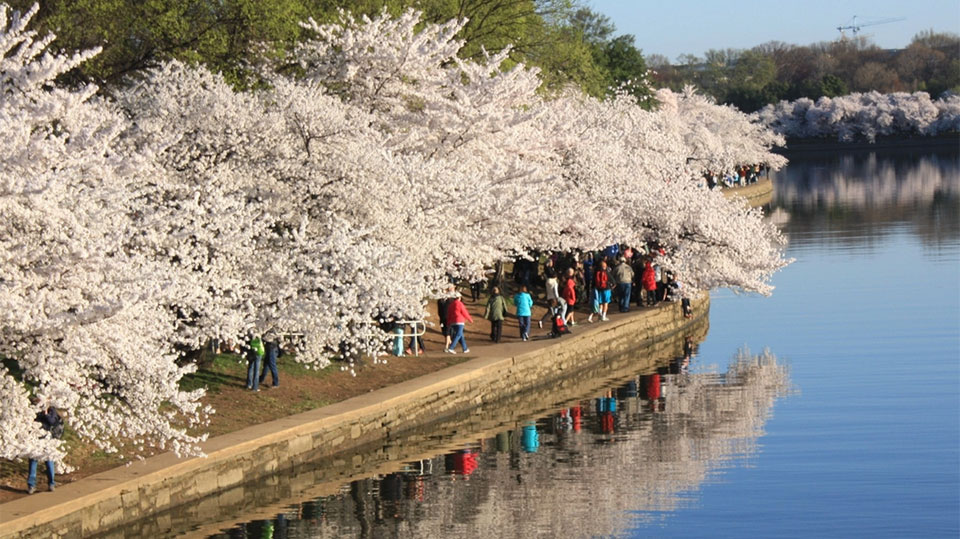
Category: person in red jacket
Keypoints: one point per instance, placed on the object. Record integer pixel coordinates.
(569, 295)
(457, 316)
(649, 282)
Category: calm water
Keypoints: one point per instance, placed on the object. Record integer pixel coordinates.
(831, 409)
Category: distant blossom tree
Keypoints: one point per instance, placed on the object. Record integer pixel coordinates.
(864, 116)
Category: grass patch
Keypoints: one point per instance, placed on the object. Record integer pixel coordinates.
(221, 369)
(218, 370)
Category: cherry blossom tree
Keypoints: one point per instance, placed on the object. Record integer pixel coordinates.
(83, 323)
(319, 206)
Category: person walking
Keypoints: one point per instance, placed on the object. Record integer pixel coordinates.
(553, 293)
(442, 304)
(495, 312)
(51, 422)
(601, 283)
(569, 295)
(254, 357)
(623, 274)
(270, 362)
(524, 303)
(457, 316)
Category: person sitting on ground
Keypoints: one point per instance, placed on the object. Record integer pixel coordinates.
(524, 303)
(457, 316)
(495, 312)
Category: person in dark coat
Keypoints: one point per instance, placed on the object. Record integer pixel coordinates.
(495, 312)
(52, 422)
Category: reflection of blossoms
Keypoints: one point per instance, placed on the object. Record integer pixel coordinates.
(575, 487)
(865, 181)
(863, 116)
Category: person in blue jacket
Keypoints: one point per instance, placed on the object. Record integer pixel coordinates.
(524, 303)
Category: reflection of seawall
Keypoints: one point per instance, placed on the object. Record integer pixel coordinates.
(579, 484)
(118, 497)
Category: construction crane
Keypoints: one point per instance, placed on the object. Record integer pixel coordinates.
(854, 26)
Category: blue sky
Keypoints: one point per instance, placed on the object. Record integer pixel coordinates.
(674, 27)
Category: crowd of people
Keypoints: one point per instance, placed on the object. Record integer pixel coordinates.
(740, 176)
(569, 281)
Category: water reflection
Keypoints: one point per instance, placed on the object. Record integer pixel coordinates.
(863, 195)
(591, 467)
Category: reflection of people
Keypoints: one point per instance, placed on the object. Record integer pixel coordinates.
(530, 439)
(51, 422)
(606, 407)
(464, 462)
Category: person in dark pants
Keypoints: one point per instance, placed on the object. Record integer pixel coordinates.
(623, 274)
(475, 289)
(495, 312)
(270, 362)
(52, 422)
(255, 355)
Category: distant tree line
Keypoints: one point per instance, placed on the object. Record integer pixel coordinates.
(774, 71)
(570, 43)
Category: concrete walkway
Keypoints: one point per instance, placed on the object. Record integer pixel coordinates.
(756, 194)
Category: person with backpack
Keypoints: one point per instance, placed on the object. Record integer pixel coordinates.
(51, 422)
(255, 355)
(601, 283)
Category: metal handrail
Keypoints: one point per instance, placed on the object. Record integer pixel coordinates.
(415, 333)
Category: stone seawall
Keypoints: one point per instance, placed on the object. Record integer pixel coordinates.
(164, 494)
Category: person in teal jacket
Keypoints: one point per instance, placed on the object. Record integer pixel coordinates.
(524, 303)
